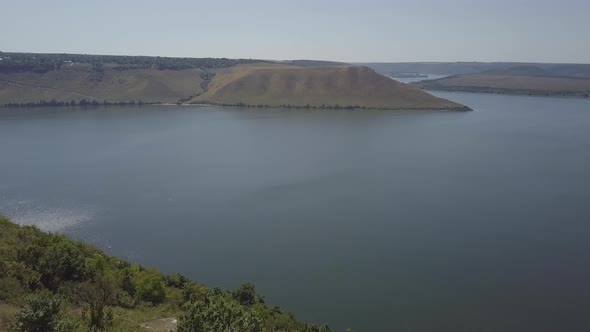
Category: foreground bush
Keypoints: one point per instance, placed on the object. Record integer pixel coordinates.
(71, 286)
(217, 313)
(40, 313)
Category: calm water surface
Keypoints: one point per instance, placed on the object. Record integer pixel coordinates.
(377, 221)
(417, 79)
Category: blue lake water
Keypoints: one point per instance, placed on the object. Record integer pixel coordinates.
(373, 220)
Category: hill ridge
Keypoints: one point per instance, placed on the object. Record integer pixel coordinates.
(315, 87)
(70, 79)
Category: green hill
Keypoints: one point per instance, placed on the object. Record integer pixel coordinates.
(293, 86)
(51, 283)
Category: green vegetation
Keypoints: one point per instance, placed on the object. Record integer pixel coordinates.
(51, 283)
(82, 102)
(44, 62)
(40, 312)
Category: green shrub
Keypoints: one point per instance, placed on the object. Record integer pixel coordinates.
(10, 288)
(218, 314)
(315, 328)
(246, 294)
(56, 259)
(127, 284)
(194, 292)
(40, 313)
(25, 274)
(175, 280)
(150, 287)
(67, 325)
(97, 296)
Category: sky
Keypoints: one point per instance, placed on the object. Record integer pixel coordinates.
(345, 30)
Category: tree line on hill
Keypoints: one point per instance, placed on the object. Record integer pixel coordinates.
(42, 62)
(63, 285)
(82, 102)
(180, 101)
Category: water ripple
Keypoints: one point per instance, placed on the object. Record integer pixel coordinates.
(47, 217)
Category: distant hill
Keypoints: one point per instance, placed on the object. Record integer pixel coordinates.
(73, 79)
(293, 86)
(316, 63)
(525, 70)
(428, 68)
(528, 80)
(580, 71)
(454, 68)
(547, 79)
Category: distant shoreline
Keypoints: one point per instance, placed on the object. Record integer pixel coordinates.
(294, 107)
(514, 92)
(334, 107)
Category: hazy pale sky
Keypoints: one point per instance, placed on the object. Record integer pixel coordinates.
(346, 30)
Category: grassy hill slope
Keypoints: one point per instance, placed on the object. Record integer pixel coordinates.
(343, 86)
(51, 283)
(59, 79)
(512, 82)
(455, 68)
(81, 82)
